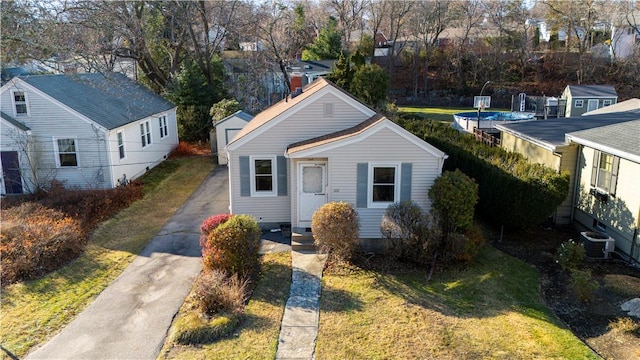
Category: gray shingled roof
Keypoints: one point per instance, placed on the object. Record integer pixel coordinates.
(111, 100)
(592, 91)
(623, 137)
(239, 114)
(14, 122)
(552, 132)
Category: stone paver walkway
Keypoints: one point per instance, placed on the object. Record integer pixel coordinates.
(300, 321)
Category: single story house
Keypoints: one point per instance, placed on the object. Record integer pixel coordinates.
(83, 130)
(544, 142)
(226, 130)
(583, 98)
(322, 146)
(607, 194)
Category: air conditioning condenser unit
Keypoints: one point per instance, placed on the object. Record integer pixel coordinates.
(597, 245)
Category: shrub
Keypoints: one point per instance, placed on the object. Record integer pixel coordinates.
(513, 192)
(233, 246)
(570, 255)
(209, 224)
(335, 227)
(582, 284)
(194, 329)
(474, 242)
(216, 292)
(186, 149)
(90, 207)
(406, 227)
(35, 240)
(454, 196)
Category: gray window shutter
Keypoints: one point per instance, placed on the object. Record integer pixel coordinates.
(362, 185)
(614, 176)
(594, 170)
(282, 175)
(245, 176)
(405, 181)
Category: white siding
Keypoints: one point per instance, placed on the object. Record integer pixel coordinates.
(620, 213)
(137, 158)
(49, 121)
(308, 122)
(99, 165)
(383, 146)
(225, 132)
(567, 163)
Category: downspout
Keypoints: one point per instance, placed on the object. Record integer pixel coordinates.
(230, 171)
(576, 185)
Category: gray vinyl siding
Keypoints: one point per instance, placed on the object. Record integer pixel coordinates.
(308, 122)
(383, 146)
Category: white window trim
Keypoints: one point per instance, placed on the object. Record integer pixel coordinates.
(26, 102)
(274, 176)
(123, 145)
(57, 152)
(147, 133)
(599, 173)
(396, 183)
(164, 129)
(581, 103)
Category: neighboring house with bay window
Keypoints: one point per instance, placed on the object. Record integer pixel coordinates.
(601, 154)
(322, 146)
(83, 130)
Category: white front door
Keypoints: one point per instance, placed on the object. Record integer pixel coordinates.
(312, 194)
(592, 105)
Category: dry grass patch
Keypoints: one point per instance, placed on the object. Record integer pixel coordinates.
(622, 284)
(256, 337)
(33, 311)
(492, 309)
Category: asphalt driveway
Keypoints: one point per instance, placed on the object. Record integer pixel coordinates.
(130, 318)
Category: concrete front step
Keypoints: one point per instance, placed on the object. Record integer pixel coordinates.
(301, 239)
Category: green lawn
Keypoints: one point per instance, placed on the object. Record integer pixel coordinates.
(34, 311)
(433, 113)
(492, 309)
(436, 113)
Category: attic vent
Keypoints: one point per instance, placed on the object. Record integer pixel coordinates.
(328, 110)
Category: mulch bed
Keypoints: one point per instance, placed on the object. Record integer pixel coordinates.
(590, 321)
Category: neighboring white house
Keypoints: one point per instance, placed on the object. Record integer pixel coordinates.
(607, 191)
(84, 130)
(321, 146)
(583, 98)
(544, 142)
(226, 130)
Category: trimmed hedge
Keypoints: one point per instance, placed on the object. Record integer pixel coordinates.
(233, 246)
(335, 227)
(513, 192)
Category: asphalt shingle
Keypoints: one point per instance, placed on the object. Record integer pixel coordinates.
(111, 100)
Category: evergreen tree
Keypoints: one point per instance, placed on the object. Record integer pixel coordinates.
(370, 84)
(342, 73)
(328, 44)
